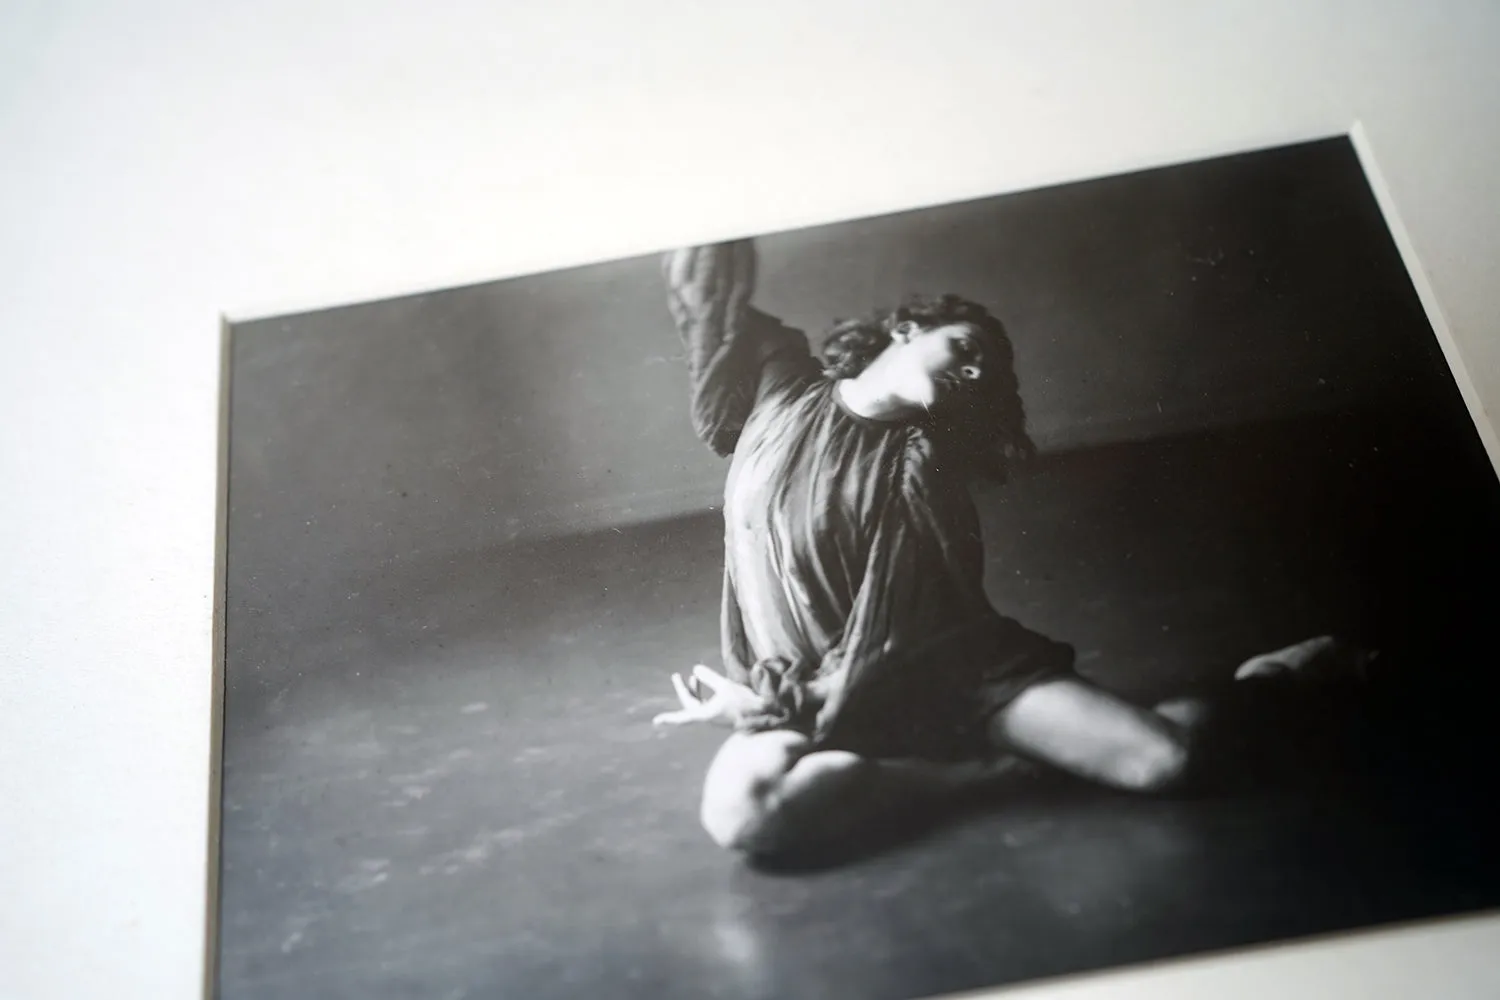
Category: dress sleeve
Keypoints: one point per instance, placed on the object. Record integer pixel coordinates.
(785, 687)
(736, 354)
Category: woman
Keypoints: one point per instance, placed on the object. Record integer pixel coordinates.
(865, 668)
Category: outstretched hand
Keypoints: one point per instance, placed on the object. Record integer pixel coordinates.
(724, 703)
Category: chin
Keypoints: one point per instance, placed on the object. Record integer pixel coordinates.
(926, 396)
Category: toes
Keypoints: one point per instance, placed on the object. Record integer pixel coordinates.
(1323, 657)
(1266, 665)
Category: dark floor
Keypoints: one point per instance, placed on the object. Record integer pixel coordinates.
(459, 794)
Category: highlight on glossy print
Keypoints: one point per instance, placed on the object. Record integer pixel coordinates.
(1001, 590)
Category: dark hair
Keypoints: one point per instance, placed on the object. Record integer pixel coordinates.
(983, 430)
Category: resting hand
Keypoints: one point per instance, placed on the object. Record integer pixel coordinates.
(727, 703)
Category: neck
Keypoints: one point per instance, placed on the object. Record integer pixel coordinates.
(867, 398)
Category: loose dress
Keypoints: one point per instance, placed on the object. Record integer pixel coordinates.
(853, 595)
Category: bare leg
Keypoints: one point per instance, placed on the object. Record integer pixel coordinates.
(766, 794)
(1088, 732)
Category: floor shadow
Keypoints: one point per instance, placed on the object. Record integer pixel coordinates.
(1028, 787)
(458, 750)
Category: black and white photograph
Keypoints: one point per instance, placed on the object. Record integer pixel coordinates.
(935, 601)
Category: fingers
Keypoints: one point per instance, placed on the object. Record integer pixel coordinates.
(678, 718)
(689, 703)
(695, 708)
(715, 682)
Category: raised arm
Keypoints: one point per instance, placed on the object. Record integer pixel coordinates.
(709, 287)
(733, 350)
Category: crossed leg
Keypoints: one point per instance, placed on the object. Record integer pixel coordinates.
(769, 792)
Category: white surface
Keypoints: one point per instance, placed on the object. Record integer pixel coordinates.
(161, 163)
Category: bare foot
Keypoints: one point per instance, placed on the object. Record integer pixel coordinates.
(1323, 658)
(1191, 714)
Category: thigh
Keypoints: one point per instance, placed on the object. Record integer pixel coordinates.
(1088, 732)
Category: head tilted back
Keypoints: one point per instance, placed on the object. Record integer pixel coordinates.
(982, 429)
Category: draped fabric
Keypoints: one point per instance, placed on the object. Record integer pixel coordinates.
(853, 598)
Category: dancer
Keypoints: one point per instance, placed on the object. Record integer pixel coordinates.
(865, 670)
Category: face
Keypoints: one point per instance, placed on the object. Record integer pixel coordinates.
(925, 367)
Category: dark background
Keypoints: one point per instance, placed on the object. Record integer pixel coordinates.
(1159, 303)
(470, 532)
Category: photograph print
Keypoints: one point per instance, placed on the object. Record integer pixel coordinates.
(1042, 584)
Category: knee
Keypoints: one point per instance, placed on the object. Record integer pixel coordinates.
(739, 816)
(741, 795)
